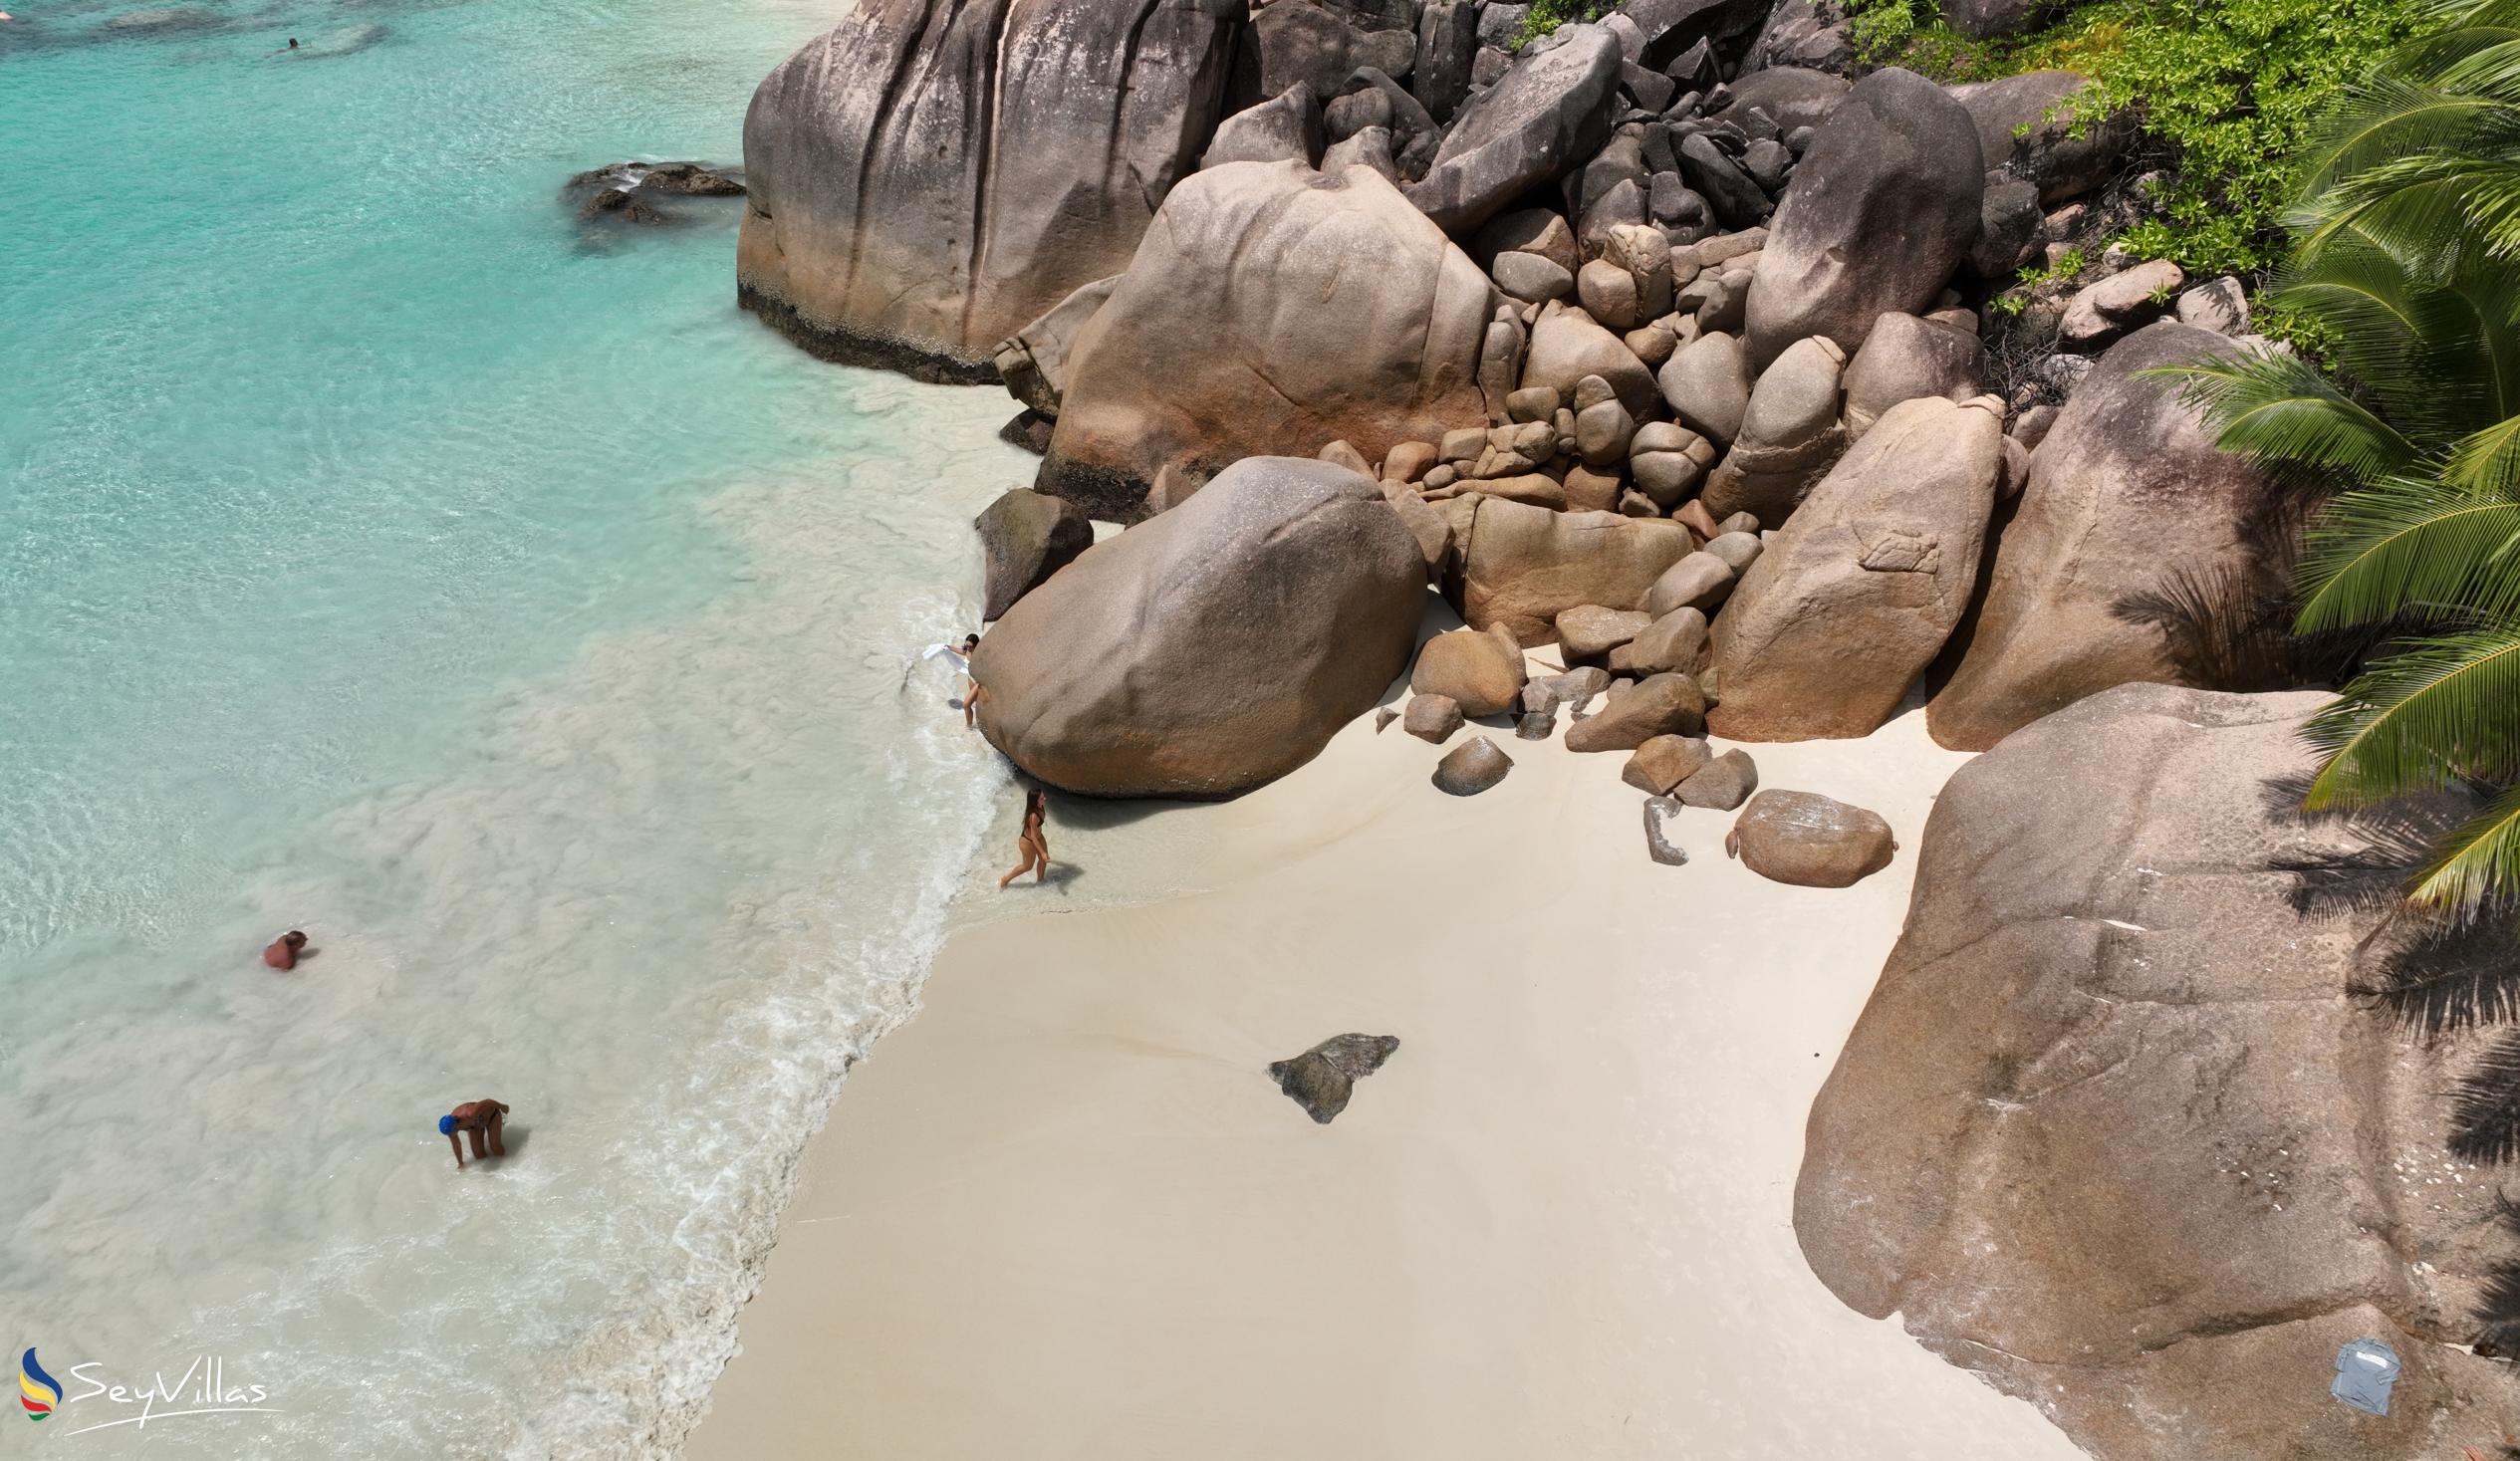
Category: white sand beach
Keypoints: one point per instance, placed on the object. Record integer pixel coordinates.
(1064, 1212)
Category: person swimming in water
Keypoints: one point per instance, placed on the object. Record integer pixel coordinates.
(1034, 840)
(482, 1118)
(282, 953)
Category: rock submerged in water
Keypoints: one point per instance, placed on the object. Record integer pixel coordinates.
(631, 192)
(1322, 1079)
(165, 20)
(2148, 1113)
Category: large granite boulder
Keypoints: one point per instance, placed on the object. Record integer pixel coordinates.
(1271, 307)
(1214, 647)
(1855, 595)
(1985, 19)
(1285, 128)
(1566, 345)
(1654, 32)
(1906, 358)
(1790, 437)
(2028, 125)
(928, 176)
(1315, 47)
(1881, 211)
(1802, 34)
(1523, 566)
(1025, 537)
(1791, 95)
(1551, 112)
(1447, 41)
(2151, 1112)
(2130, 527)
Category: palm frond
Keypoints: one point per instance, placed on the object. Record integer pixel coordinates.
(2274, 410)
(2487, 462)
(2403, 544)
(2384, 119)
(2437, 711)
(2428, 196)
(2479, 864)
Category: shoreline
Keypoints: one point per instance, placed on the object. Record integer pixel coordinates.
(1064, 1206)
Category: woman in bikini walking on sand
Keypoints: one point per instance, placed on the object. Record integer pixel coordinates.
(1033, 840)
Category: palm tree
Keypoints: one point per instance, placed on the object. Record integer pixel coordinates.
(2409, 263)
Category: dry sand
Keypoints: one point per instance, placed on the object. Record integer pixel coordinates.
(1064, 1212)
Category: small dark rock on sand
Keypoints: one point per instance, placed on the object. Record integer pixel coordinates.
(1321, 1079)
(1471, 768)
(1658, 811)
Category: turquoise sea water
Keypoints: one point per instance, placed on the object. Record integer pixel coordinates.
(384, 556)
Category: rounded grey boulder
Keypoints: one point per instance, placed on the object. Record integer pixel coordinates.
(1271, 307)
(1025, 537)
(2130, 509)
(1881, 211)
(1214, 647)
(1548, 113)
(1790, 437)
(2028, 125)
(1285, 128)
(1707, 385)
(1863, 583)
(1906, 357)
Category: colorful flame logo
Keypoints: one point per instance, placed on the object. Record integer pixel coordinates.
(37, 1391)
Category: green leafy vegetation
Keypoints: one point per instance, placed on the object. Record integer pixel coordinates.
(2228, 88)
(2013, 300)
(1547, 14)
(2409, 264)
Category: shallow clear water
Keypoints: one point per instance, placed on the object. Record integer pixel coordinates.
(382, 555)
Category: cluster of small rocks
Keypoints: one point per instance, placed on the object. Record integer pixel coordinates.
(1649, 707)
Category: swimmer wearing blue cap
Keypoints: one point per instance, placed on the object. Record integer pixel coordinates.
(483, 1119)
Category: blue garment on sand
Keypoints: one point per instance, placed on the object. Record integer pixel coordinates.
(2366, 1369)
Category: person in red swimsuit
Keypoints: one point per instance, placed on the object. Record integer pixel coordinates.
(283, 953)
